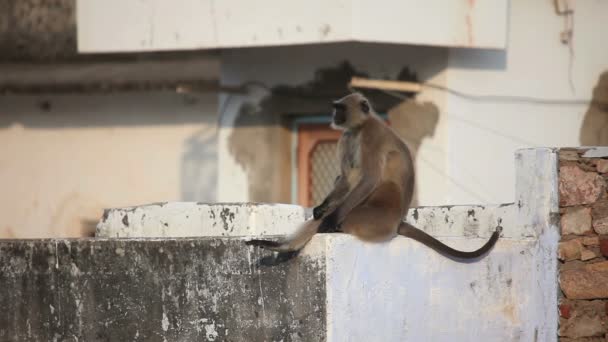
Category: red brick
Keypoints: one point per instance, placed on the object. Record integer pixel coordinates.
(604, 247)
(578, 187)
(570, 250)
(599, 214)
(587, 319)
(591, 240)
(587, 255)
(602, 165)
(564, 310)
(576, 220)
(588, 282)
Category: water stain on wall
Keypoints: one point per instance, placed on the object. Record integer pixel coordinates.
(594, 130)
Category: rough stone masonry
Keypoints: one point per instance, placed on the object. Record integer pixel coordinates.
(583, 248)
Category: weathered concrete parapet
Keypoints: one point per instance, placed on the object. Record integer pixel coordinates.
(338, 289)
(183, 219)
(188, 219)
(157, 290)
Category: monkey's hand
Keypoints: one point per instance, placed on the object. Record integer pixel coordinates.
(329, 224)
(319, 211)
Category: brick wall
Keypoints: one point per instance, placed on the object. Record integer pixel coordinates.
(583, 248)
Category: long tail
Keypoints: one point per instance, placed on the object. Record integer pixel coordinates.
(293, 243)
(412, 232)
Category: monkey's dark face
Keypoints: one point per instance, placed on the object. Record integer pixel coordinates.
(339, 117)
(350, 111)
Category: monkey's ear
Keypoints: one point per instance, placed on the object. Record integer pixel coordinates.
(365, 106)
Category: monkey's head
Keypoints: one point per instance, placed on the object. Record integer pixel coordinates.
(350, 111)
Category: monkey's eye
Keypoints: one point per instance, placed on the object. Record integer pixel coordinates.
(365, 106)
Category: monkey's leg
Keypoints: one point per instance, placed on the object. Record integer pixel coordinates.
(339, 191)
(378, 218)
(372, 223)
(292, 243)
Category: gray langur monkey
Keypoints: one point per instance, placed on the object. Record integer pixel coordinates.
(373, 192)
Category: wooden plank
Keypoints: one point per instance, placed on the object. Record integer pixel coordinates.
(409, 87)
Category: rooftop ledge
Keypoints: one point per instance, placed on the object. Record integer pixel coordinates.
(148, 25)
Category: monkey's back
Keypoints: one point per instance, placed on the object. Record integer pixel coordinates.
(399, 166)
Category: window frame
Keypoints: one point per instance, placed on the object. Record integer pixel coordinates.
(297, 123)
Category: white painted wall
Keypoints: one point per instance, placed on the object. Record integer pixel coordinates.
(59, 168)
(297, 65)
(151, 25)
(482, 136)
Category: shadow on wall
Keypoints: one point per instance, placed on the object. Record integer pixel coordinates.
(594, 130)
(414, 121)
(261, 139)
(198, 167)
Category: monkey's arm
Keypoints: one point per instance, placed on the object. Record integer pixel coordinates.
(370, 177)
(339, 191)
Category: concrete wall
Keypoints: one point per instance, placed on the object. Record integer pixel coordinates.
(482, 135)
(215, 288)
(156, 290)
(66, 157)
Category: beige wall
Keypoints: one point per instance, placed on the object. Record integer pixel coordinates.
(65, 158)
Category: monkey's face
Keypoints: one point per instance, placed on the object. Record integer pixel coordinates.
(350, 111)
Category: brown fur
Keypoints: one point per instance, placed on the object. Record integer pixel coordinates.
(375, 187)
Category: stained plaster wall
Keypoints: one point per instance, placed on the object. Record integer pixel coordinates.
(473, 139)
(535, 64)
(66, 157)
(255, 140)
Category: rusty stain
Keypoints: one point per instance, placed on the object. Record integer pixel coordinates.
(510, 311)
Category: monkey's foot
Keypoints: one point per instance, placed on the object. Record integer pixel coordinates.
(319, 211)
(263, 243)
(329, 228)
